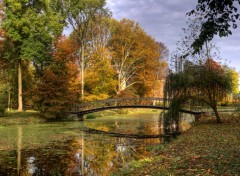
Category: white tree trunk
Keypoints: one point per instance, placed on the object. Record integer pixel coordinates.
(20, 102)
(82, 71)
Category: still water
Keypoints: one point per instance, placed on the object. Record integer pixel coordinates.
(76, 148)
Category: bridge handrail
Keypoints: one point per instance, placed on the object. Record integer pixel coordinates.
(118, 102)
(122, 99)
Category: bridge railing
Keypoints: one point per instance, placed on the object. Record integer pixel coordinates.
(119, 102)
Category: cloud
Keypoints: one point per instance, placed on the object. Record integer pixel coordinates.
(161, 19)
(164, 20)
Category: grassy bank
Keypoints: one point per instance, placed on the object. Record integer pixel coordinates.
(117, 112)
(205, 149)
(30, 116)
(25, 117)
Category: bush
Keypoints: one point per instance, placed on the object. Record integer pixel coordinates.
(91, 116)
(2, 110)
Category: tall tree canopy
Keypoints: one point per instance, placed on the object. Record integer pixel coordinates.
(30, 26)
(219, 17)
(135, 56)
(100, 75)
(81, 14)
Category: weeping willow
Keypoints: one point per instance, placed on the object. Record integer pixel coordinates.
(195, 87)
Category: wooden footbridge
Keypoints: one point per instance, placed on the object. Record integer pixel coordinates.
(119, 103)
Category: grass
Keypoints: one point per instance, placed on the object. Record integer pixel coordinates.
(32, 117)
(205, 149)
(25, 117)
(90, 116)
(117, 112)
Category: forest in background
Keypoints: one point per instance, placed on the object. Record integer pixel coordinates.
(101, 58)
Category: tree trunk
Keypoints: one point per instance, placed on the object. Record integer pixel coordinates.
(218, 118)
(82, 70)
(119, 84)
(9, 100)
(20, 102)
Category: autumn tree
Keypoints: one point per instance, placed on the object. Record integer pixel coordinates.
(219, 18)
(124, 46)
(100, 81)
(80, 15)
(215, 84)
(235, 81)
(31, 27)
(198, 85)
(135, 57)
(152, 69)
(59, 88)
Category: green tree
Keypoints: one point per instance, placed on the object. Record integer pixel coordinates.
(219, 18)
(31, 27)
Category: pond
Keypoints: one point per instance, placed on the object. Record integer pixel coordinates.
(91, 147)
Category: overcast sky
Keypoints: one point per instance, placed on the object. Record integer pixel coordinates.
(164, 20)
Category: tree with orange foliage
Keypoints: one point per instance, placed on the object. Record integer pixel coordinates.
(135, 57)
(100, 81)
(59, 87)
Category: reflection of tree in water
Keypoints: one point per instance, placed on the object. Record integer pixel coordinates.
(101, 157)
(75, 157)
(37, 161)
(43, 161)
(127, 151)
(98, 156)
(95, 154)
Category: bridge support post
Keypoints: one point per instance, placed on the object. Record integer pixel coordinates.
(80, 117)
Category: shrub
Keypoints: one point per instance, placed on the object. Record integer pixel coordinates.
(91, 116)
(2, 110)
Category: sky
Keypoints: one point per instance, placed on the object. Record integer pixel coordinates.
(164, 20)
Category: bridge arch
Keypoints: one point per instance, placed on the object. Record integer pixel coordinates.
(120, 103)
